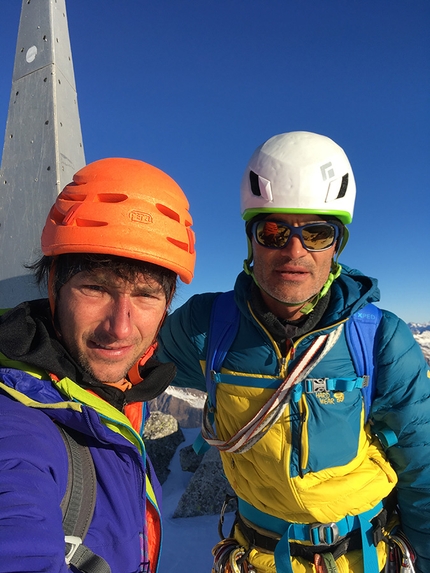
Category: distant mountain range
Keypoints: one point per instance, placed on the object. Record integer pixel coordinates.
(421, 334)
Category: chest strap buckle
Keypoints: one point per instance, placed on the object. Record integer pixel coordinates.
(324, 533)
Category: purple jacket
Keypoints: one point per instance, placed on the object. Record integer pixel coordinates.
(33, 479)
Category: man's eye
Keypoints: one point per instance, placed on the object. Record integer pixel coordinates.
(92, 289)
(144, 296)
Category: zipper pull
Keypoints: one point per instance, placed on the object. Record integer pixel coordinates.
(289, 349)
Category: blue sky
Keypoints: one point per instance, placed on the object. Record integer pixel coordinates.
(194, 86)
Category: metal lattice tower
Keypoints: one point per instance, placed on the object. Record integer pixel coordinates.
(43, 141)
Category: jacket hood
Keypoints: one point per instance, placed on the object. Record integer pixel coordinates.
(27, 335)
(349, 292)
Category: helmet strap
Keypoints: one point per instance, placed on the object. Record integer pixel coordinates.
(345, 237)
(336, 269)
(247, 262)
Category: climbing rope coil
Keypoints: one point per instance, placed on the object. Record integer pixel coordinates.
(247, 436)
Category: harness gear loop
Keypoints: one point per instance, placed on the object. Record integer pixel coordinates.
(227, 500)
(271, 411)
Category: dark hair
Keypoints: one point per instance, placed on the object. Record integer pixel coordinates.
(67, 265)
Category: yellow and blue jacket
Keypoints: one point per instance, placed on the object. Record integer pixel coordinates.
(321, 462)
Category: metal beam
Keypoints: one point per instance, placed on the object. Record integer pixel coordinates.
(43, 141)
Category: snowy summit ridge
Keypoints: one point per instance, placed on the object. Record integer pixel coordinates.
(421, 333)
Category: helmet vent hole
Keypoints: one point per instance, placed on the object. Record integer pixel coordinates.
(343, 186)
(89, 223)
(255, 186)
(111, 197)
(168, 212)
(56, 216)
(180, 244)
(75, 197)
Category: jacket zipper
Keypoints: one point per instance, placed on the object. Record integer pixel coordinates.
(300, 444)
(290, 351)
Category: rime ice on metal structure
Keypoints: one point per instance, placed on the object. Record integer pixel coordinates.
(43, 141)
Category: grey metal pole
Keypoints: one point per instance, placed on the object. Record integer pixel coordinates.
(43, 141)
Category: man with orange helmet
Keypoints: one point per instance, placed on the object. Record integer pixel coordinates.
(314, 457)
(113, 245)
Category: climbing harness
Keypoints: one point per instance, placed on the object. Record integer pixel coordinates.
(330, 543)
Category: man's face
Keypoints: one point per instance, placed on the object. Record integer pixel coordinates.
(290, 275)
(107, 323)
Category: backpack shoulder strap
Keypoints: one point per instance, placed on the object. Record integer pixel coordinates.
(224, 324)
(223, 327)
(360, 331)
(78, 504)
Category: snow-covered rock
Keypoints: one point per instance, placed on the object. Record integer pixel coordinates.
(418, 328)
(423, 340)
(162, 437)
(184, 404)
(421, 333)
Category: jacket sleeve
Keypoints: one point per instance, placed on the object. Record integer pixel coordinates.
(33, 479)
(401, 410)
(182, 340)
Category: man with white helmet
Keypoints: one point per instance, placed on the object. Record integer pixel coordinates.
(113, 245)
(325, 460)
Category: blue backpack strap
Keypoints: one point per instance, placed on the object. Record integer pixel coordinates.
(223, 327)
(224, 324)
(360, 331)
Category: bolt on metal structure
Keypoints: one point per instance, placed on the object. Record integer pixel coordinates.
(43, 142)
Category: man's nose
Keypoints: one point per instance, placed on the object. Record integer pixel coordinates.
(294, 248)
(119, 320)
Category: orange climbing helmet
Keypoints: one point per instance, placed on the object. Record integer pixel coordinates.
(127, 208)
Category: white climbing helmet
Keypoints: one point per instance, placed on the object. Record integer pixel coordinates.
(298, 172)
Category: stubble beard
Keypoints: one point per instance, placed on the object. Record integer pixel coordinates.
(278, 289)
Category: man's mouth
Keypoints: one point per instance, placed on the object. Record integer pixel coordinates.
(292, 273)
(293, 270)
(109, 350)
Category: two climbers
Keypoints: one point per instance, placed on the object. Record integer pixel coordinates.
(315, 478)
(113, 245)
